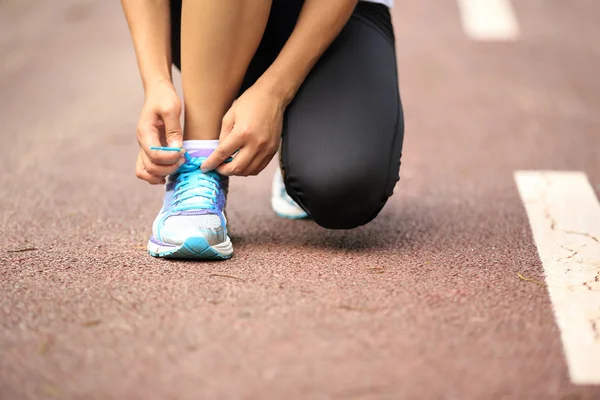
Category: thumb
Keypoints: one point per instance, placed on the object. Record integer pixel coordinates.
(173, 133)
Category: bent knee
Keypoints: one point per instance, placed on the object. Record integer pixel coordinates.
(342, 200)
(335, 215)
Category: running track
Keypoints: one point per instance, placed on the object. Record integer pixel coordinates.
(424, 303)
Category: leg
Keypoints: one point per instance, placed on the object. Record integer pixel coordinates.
(344, 130)
(218, 40)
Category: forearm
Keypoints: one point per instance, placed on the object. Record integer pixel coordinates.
(149, 24)
(318, 25)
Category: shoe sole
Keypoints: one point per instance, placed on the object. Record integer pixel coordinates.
(288, 216)
(194, 248)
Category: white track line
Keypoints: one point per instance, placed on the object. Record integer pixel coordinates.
(489, 20)
(565, 219)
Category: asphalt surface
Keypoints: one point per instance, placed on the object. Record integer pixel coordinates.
(424, 302)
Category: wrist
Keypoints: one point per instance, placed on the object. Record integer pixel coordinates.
(283, 89)
(158, 85)
(156, 81)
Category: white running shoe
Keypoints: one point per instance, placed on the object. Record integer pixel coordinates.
(282, 203)
(192, 223)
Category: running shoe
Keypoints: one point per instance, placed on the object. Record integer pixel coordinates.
(282, 203)
(192, 223)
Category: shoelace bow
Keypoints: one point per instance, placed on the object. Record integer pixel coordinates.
(193, 188)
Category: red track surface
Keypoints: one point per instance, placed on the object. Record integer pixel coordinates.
(424, 302)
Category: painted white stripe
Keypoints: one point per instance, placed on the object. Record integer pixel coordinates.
(565, 219)
(489, 20)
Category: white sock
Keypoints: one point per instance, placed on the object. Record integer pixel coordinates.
(200, 148)
(200, 144)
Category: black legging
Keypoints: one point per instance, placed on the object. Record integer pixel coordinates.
(343, 132)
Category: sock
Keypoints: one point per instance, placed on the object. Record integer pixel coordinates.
(200, 148)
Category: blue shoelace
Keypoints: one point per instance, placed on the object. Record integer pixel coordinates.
(194, 189)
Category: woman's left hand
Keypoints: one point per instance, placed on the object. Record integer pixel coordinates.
(253, 126)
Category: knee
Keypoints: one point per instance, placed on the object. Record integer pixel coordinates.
(342, 199)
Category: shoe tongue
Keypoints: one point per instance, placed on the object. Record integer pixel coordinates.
(200, 193)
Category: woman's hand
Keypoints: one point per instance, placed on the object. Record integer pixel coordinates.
(253, 126)
(159, 125)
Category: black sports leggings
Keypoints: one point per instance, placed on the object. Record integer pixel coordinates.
(343, 132)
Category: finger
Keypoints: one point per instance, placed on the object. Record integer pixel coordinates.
(226, 124)
(148, 135)
(239, 164)
(173, 133)
(151, 179)
(257, 165)
(252, 168)
(141, 173)
(158, 169)
(262, 159)
(224, 150)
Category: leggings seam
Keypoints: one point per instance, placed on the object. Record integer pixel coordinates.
(391, 156)
(391, 42)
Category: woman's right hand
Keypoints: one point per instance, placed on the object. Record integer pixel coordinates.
(159, 125)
